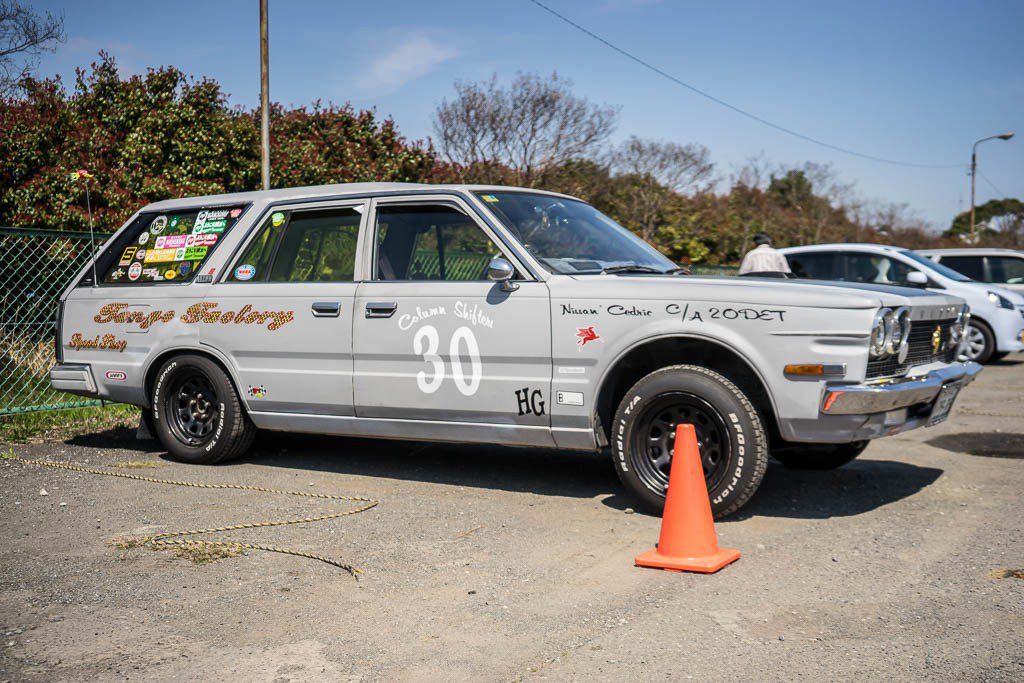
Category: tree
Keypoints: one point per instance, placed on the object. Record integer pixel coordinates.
(997, 220)
(534, 125)
(24, 36)
(165, 135)
(656, 171)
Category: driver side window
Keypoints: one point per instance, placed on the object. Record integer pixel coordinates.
(430, 242)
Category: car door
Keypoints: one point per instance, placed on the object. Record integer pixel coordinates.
(434, 339)
(283, 311)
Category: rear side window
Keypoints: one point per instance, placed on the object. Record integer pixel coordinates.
(302, 246)
(168, 247)
(971, 266)
(1007, 270)
(814, 265)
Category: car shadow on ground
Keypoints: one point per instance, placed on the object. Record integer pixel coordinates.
(854, 489)
(988, 444)
(116, 437)
(859, 487)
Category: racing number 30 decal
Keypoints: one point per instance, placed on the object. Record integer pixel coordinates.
(426, 343)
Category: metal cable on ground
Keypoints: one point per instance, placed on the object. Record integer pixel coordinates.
(171, 539)
(731, 107)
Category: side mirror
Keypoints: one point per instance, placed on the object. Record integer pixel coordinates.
(917, 278)
(501, 271)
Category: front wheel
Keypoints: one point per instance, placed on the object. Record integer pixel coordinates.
(730, 436)
(197, 414)
(980, 343)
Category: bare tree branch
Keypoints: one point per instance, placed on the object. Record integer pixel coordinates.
(24, 36)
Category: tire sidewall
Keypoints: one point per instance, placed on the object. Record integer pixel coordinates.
(748, 451)
(214, 449)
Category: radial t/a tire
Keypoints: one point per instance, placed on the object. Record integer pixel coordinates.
(730, 436)
(819, 456)
(197, 414)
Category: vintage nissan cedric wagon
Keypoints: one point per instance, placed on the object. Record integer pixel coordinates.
(490, 314)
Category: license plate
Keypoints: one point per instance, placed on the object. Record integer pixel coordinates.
(943, 403)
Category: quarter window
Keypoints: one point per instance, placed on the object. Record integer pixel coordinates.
(1005, 269)
(436, 242)
(168, 247)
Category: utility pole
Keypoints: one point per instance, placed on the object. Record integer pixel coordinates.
(974, 172)
(265, 96)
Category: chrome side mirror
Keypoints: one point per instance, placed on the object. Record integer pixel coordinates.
(501, 271)
(917, 278)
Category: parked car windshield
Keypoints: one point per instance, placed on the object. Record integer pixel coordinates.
(569, 236)
(937, 267)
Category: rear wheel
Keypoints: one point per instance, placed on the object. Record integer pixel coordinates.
(730, 436)
(980, 343)
(197, 414)
(819, 456)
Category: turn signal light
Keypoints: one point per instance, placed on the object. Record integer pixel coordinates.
(815, 370)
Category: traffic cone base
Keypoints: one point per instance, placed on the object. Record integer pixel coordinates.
(707, 564)
(688, 542)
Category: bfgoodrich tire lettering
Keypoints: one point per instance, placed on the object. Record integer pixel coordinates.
(197, 414)
(731, 436)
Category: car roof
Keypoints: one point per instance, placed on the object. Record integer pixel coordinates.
(329, 191)
(972, 251)
(856, 246)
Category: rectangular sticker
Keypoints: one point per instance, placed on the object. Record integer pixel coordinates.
(569, 398)
(159, 255)
(171, 241)
(194, 254)
(126, 257)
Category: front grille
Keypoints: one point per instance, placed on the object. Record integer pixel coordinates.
(920, 350)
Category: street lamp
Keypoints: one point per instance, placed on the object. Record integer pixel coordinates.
(974, 172)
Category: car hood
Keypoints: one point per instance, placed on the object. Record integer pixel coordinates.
(766, 291)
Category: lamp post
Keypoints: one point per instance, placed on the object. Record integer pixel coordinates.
(974, 172)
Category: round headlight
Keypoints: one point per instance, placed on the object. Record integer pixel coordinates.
(900, 330)
(878, 329)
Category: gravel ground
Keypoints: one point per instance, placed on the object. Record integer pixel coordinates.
(499, 564)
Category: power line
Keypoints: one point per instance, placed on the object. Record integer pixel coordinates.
(999, 193)
(723, 103)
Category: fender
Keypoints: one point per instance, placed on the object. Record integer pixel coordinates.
(679, 335)
(203, 349)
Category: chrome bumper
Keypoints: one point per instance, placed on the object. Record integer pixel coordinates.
(73, 378)
(886, 395)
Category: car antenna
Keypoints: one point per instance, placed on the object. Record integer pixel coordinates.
(82, 173)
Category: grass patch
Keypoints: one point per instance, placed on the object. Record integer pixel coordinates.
(128, 542)
(54, 424)
(201, 553)
(138, 464)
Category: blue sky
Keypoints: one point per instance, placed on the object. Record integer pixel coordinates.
(917, 80)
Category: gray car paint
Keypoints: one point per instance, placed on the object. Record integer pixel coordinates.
(355, 375)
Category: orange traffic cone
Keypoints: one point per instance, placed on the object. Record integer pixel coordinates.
(688, 541)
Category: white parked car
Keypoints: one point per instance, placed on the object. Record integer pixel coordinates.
(997, 314)
(1002, 267)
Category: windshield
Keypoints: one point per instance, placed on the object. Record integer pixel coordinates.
(937, 267)
(571, 237)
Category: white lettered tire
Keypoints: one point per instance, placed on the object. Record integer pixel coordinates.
(730, 435)
(197, 414)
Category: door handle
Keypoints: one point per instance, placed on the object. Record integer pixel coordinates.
(381, 309)
(326, 309)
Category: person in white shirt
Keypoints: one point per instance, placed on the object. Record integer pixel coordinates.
(763, 260)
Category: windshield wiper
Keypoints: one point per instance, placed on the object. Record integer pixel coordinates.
(637, 268)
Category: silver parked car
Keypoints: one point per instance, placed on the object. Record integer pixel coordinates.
(490, 315)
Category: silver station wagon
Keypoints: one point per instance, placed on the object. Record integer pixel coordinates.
(490, 315)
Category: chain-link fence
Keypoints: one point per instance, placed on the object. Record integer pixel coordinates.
(35, 267)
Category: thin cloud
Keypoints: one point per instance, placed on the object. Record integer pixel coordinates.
(412, 56)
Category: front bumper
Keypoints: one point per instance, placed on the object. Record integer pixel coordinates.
(885, 395)
(74, 378)
(855, 412)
